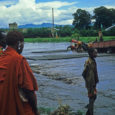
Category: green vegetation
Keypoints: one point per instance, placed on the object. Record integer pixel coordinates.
(62, 31)
(104, 17)
(61, 39)
(92, 39)
(67, 39)
(65, 31)
(44, 110)
(82, 19)
(61, 110)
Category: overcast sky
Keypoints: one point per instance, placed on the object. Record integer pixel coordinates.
(40, 11)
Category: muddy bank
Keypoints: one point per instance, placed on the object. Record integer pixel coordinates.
(55, 76)
(51, 51)
(63, 56)
(60, 81)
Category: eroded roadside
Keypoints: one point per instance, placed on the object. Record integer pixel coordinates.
(60, 81)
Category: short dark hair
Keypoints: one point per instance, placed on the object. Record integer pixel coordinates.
(13, 37)
(90, 51)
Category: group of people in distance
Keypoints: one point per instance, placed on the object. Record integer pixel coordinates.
(18, 84)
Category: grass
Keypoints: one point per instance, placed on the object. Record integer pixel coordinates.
(67, 39)
(44, 110)
(61, 110)
(61, 39)
(91, 39)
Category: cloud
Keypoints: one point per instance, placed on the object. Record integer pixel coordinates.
(108, 6)
(28, 12)
(7, 2)
(91, 9)
(55, 4)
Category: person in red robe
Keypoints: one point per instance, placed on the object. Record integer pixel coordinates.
(17, 82)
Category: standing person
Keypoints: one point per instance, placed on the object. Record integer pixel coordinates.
(90, 76)
(100, 36)
(17, 82)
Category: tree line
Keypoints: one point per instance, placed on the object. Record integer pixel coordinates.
(62, 31)
(102, 17)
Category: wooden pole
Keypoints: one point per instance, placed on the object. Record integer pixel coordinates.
(52, 22)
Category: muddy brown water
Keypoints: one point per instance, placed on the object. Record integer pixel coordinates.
(60, 80)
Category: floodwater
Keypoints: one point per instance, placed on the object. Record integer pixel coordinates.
(60, 80)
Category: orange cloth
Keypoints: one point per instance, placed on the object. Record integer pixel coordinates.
(90, 94)
(79, 42)
(14, 72)
(90, 45)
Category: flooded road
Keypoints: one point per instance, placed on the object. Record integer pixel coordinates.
(60, 80)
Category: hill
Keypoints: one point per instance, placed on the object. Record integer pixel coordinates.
(38, 25)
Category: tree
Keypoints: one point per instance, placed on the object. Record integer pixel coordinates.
(82, 19)
(104, 17)
(65, 30)
(112, 15)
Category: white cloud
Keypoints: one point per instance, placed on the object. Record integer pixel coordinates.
(55, 4)
(91, 9)
(27, 12)
(109, 6)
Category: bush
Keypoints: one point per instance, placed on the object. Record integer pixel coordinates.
(88, 33)
(110, 32)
